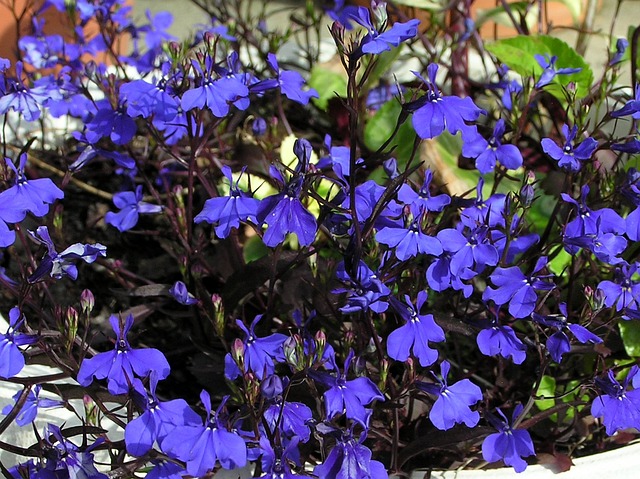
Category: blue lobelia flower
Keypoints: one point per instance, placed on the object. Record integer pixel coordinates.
(291, 418)
(488, 152)
(415, 335)
(57, 265)
(518, 290)
(201, 446)
(434, 112)
(509, 444)
(112, 122)
(158, 419)
(623, 292)
(632, 107)
(558, 343)
(227, 212)
(375, 42)
(289, 82)
(165, 470)
(454, 402)
(131, 206)
(214, 93)
(548, 63)
(30, 407)
(284, 212)
(471, 249)
(148, 99)
(497, 339)
(422, 199)
(490, 212)
(276, 462)
(364, 292)
(33, 196)
(348, 397)
(119, 365)
(350, 459)
(570, 155)
(621, 47)
(181, 294)
(11, 359)
(408, 242)
(28, 101)
(589, 224)
(440, 277)
(66, 460)
(618, 407)
(259, 354)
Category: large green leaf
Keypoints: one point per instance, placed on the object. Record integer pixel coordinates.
(630, 332)
(518, 54)
(328, 84)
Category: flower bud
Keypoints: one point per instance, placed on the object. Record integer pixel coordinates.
(71, 325)
(237, 353)
(259, 127)
(384, 373)
(526, 195)
(321, 343)
(218, 311)
(87, 301)
(379, 10)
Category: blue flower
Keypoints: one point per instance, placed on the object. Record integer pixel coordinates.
(350, 459)
(375, 42)
(11, 359)
(118, 366)
(632, 107)
(284, 213)
(30, 406)
(28, 101)
(215, 94)
(227, 212)
(558, 343)
(408, 242)
(454, 401)
(501, 340)
(623, 292)
(181, 294)
(290, 83)
(518, 290)
(364, 292)
(131, 206)
(260, 354)
(422, 199)
(434, 112)
(621, 47)
(470, 251)
(570, 156)
(415, 335)
(158, 419)
(33, 196)
(114, 123)
(548, 63)
(348, 397)
(202, 446)
(58, 265)
(488, 152)
(619, 408)
(509, 444)
(276, 462)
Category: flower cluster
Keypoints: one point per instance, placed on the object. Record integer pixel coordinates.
(303, 302)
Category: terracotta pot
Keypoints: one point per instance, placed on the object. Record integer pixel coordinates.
(15, 22)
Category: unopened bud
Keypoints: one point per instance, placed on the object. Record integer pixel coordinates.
(384, 373)
(72, 323)
(321, 344)
(218, 311)
(87, 301)
(237, 353)
(527, 194)
(379, 10)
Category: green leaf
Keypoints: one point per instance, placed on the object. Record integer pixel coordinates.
(547, 389)
(382, 124)
(518, 54)
(254, 249)
(559, 264)
(630, 333)
(328, 84)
